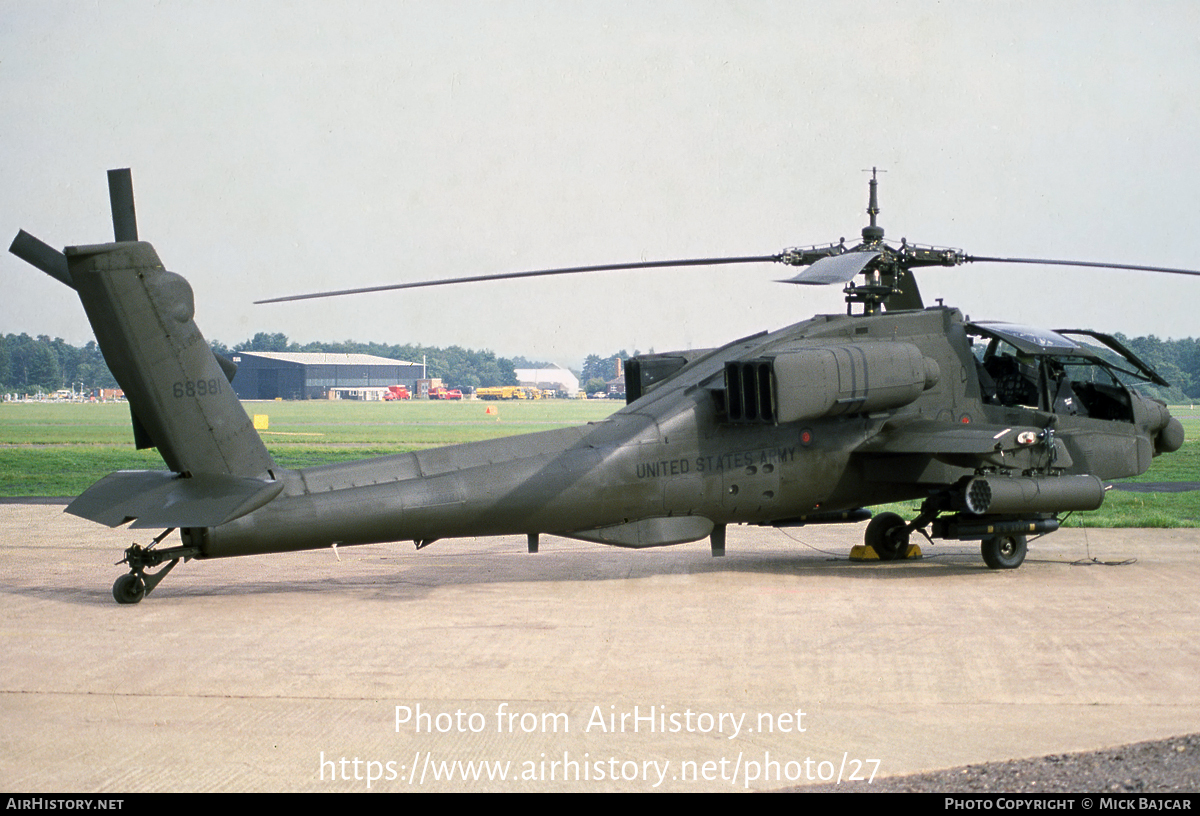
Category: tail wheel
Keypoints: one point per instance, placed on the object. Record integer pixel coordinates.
(1003, 552)
(129, 589)
(887, 535)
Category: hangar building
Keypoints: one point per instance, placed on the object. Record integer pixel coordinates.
(287, 375)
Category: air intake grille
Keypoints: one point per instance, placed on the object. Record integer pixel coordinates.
(750, 392)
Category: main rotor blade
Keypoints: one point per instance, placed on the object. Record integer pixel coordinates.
(534, 274)
(120, 196)
(970, 258)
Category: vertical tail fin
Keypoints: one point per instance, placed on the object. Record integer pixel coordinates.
(179, 392)
(142, 317)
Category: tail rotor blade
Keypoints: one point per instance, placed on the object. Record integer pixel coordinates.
(42, 255)
(120, 195)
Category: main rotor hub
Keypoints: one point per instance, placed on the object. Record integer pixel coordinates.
(872, 234)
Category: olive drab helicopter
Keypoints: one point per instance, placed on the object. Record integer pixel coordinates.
(997, 428)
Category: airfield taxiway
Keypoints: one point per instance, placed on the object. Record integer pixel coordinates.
(472, 665)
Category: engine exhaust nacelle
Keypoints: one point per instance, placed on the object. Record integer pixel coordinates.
(829, 381)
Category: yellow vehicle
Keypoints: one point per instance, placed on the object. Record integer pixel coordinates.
(501, 392)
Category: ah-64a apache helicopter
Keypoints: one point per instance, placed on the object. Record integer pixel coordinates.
(999, 428)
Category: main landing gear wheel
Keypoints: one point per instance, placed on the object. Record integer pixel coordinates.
(129, 589)
(1004, 551)
(887, 535)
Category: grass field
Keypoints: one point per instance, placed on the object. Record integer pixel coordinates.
(59, 449)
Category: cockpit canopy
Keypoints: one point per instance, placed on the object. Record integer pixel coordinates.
(1076, 372)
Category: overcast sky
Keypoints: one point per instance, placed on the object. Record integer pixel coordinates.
(280, 148)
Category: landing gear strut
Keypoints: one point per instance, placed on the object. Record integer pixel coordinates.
(1002, 535)
(137, 583)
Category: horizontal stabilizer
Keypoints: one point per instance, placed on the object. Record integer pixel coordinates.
(651, 532)
(160, 498)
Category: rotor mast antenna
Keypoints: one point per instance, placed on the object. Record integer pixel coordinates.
(873, 232)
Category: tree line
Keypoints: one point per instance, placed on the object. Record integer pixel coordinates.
(1177, 361)
(29, 365)
(598, 370)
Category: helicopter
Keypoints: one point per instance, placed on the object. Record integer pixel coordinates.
(996, 428)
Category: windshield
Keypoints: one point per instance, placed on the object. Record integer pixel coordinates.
(1053, 373)
(1124, 362)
